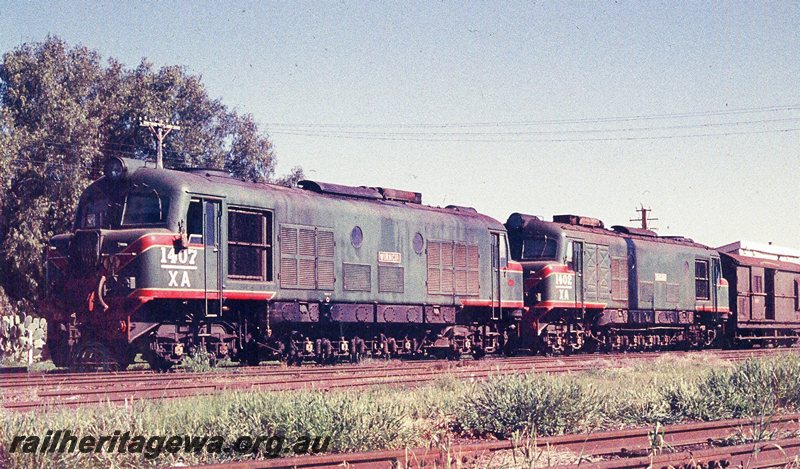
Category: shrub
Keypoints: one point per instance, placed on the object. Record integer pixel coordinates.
(542, 404)
(751, 388)
(22, 334)
(198, 362)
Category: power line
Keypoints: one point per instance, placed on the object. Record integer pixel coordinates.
(538, 132)
(540, 140)
(428, 132)
(176, 159)
(722, 112)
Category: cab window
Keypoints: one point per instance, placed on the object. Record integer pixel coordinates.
(144, 207)
(94, 213)
(539, 248)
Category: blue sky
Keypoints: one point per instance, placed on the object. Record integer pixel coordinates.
(543, 108)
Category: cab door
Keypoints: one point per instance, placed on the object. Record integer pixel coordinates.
(716, 278)
(577, 267)
(494, 294)
(499, 266)
(212, 257)
(203, 230)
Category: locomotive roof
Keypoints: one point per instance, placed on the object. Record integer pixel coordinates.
(750, 261)
(198, 180)
(530, 224)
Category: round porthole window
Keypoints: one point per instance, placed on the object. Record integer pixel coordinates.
(418, 243)
(356, 237)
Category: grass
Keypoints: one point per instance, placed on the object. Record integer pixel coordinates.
(667, 391)
(548, 405)
(37, 366)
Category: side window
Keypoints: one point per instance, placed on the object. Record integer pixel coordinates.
(211, 223)
(797, 294)
(503, 245)
(758, 284)
(194, 222)
(568, 254)
(701, 279)
(249, 245)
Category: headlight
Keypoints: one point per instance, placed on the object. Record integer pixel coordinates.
(115, 168)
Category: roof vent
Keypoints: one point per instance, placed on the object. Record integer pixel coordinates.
(400, 195)
(459, 208)
(337, 189)
(578, 220)
(209, 172)
(679, 238)
(634, 231)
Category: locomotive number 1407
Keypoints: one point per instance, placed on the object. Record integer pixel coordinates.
(185, 257)
(177, 265)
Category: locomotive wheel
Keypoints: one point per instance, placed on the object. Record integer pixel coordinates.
(453, 353)
(591, 345)
(156, 362)
(59, 352)
(727, 343)
(478, 353)
(391, 348)
(358, 349)
(94, 355)
(554, 339)
(324, 352)
(576, 339)
(508, 349)
(295, 359)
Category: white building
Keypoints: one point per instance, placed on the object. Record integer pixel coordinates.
(762, 251)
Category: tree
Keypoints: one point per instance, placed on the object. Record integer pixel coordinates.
(291, 179)
(62, 112)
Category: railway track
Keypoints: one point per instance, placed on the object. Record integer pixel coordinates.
(683, 444)
(24, 392)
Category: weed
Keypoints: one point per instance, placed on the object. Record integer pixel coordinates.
(201, 361)
(553, 405)
(657, 443)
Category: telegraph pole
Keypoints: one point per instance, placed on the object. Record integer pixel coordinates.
(159, 130)
(643, 214)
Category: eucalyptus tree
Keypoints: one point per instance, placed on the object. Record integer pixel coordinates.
(64, 109)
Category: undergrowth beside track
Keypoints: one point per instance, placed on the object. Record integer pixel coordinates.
(667, 391)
